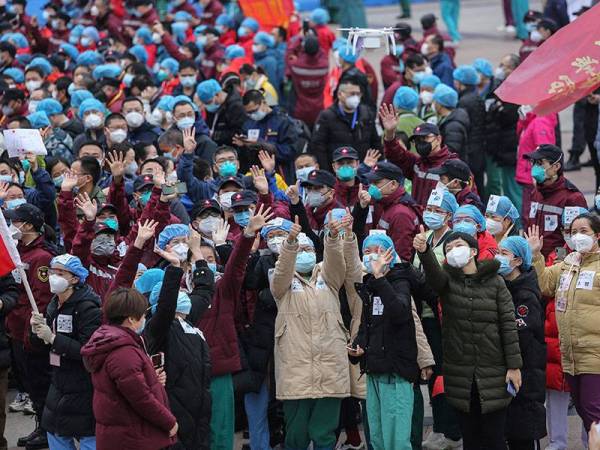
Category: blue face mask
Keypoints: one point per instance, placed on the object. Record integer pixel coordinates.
(505, 267)
(187, 81)
(74, 40)
(434, 221)
(212, 107)
(302, 174)
(213, 267)
(465, 227)
(367, 261)
(227, 169)
(127, 79)
(305, 261)
(184, 303)
(12, 204)
(597, 202)
(145, 198)
(538, 173)
(242, 32)
(6, 178)
(242, 218)
(185, 123)
(375, 192)
(112, 224)
(162, 75)
(58, 181)
(26, 165)
(346, 173)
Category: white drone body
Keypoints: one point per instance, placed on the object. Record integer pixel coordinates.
(370, 38)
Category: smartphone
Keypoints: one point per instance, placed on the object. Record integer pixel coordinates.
(179, 188)
(158, 360)
(510, 388)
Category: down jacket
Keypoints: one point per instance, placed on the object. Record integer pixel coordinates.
(310, 337)
(473, 104)
(454, 129)
(479, 334)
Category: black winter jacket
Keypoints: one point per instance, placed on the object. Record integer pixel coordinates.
(187, 358)
(228, 120)
(473, 104)
(9, 294)
(387, 329)
(455, 131)
(526, 418)
(68, 409)
(334, 129)
(501, 131)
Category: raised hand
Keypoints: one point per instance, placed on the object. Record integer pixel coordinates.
(189, 140)
(3, 190)
(267, 161)
(219, 236)
(387, 114)
(194, 242)
(381, 265)
(258, 220)
(116, 164)
(334, 226)
(89, 207)
(372, 157)
(69, 181)
(169, 256)
(347, 222)
(293, 193)
(363, 196)
(33, 162)
(420, 240)
(260, 180)
(146, 231)
(535, 241)
(294, 231)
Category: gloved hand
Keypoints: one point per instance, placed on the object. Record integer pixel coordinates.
(36, 319)
(41, 329)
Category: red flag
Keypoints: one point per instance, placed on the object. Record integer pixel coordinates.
(9, 255)
(438, 386)
(269, 13)
(562, 70)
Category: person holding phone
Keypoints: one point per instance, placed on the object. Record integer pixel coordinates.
(526, 418)
(479, 335)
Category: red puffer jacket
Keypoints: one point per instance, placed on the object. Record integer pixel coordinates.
(130, 405)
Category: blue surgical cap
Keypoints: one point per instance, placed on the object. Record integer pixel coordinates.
(320, 16)
(208, 89)
(171, 232)
(92, 33)
(71, 264)
(484, 67)
(179, 30)
(79, 96)
(184, 303)
(171, 64)
(278, 223)
(570, 213)
(199, 30)
(251, 23)
(383, 241)
(140, 53)
(183, 98)
(182, 16)
(18, 39)
(472, 212)
(503, 207)
(304, 240)
(165, 103)
(42, 63)
(14, 73)
(347, 55)
(70, 50)
(265, 39)
(519, 247)
(448, 202)
(38, 119)
(466, 75)
(445, 96)
(431, 81)
(146, 282)
(406, 98)
(91, 104)
(234, 51)
(89, 58)
(145, 35)
(106, 71)
(225, 21)
(77, 30)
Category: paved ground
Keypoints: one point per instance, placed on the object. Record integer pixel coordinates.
(479, 20)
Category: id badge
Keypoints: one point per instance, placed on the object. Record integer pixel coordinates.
(54, 359)
(561, 302)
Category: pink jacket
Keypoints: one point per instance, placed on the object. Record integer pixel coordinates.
(533, 131)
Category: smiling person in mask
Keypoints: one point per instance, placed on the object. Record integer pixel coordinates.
(481, 346)
(501, 218)
(92, 113)
(319, 197)
(468, 219)
(185, 117)
(431, 153)
(70, 320)
(139, 129)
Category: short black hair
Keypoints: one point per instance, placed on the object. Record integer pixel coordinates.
(224, 149)
(193, 48)
(187, 64)
(171, 137)
(89, 166)
(202, 169)
(63, 83)
(52, 161)
(593, 220)
(253, 96)
(247, 69)
(133, 99)
(36, 69)
(414, 60)
(310, 155)
(439, 41)
(141, 82)
(90, 142)
(162, 162)
(455, 235)
(113, 116)
(8, 47)
(23, 121)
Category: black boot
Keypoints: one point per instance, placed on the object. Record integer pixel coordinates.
(573, 164)
(22, 441)
(38, 442)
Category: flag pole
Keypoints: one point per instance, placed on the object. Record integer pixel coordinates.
(25, 282)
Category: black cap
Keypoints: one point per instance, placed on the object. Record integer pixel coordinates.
(319, 178)
(532, 16)
(244, 198)
(211, 30)
(205, 205)
(142, 181)
(425, 129)
(311, 45)
(237, 180)
(101, 227)
(112, 55)
(344, 153)
(465, 237)
(384, 170)
(403, 29)
(548, 24)
(428, 20)
(454, 168)
(27, 213)
(105, 206)
(12, 94)
(545, 151)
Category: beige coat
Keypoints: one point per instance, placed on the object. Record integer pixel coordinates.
(310, 337)
(579, 323)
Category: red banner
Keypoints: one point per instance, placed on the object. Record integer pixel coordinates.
(269, 13)
(562, 70)
(9, 256)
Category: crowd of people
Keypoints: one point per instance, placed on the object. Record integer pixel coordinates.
(234, 230)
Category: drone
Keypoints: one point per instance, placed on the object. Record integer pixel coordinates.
(370, 38)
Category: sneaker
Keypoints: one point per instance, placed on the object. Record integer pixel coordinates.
(500, 28)
(28, 408)
(19, 402)
(449, 443)
(433, 441)
(38, 442)
(344, 446)
(511, 30)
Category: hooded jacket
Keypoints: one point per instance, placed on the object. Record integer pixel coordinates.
(130, 405)
(533, 131)
(454, 129)
(473, 104)
(479, 334)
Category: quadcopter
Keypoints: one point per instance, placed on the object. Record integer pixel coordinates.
(370, 38)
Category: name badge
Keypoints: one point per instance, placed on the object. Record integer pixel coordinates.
(565, 281)
(320, 283)
(585, 280)
(188, 329)
(54, 359)
(377, 306)
(297, 286)
(64, 323)
(253, 135)
(550, 222)
(533, 209)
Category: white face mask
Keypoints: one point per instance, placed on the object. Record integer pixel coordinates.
(58, 284)
(569, 241)
(425, 49)
(131, 168)
(499, 73)
(225, 200)
(426, 97)
(32, 85)
(118, 136)
(93, 121)
(134, 119)
(459, 257)
(352, 102)
(493, 226)
(208, 225)
(181, 250)
(15, 233)
(275, 244)
(582, 242)
(535, 36)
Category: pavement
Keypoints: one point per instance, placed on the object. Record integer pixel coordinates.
(478, 22)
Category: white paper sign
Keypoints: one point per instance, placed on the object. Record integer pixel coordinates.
(297, 286)
(435, 198)
(20, 141)
(492, 205)
(377, 306)
(533, 209)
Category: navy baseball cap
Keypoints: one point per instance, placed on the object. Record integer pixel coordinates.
(26, 213)
(106, 206)
(384, 170)
(319, 178)
(143, 181)
(244, 198)
(101, 227)
(237, 180)
(454, 168)
(204, 205)
(425, 129)
(344, 153)
(545, 151)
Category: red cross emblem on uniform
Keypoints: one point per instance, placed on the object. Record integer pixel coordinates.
(237, 197)
(345, 150)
